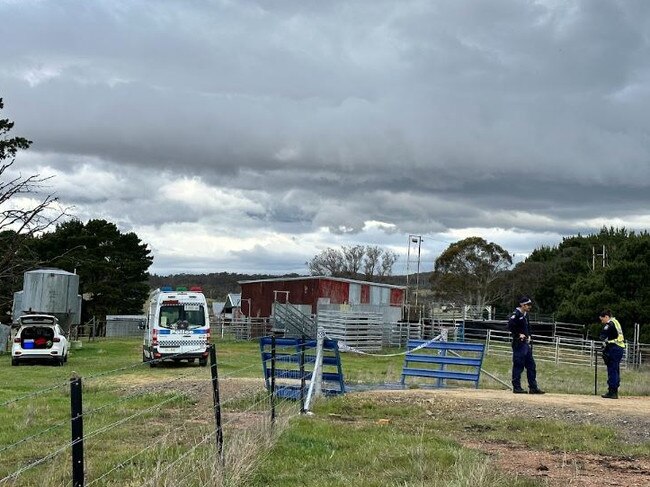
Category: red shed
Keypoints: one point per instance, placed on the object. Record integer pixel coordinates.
(258, 296)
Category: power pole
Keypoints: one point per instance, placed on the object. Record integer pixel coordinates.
(603, 254)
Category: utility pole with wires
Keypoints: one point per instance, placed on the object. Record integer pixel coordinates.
(413, 261)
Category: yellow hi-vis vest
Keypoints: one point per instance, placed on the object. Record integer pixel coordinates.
(619, 340)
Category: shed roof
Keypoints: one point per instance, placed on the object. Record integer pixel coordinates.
(329, 278)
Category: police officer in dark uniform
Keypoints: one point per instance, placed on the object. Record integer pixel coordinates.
(522, 348)
(612, 335)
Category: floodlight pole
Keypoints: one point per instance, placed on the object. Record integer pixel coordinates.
(413, 239)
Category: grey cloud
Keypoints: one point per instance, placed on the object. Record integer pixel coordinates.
(428, 116)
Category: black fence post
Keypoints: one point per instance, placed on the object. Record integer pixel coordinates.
(302, 375)
(76, 414)
(272, 379)
(215, 399)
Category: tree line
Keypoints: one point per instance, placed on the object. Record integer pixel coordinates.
(112, 266)
(572, 281)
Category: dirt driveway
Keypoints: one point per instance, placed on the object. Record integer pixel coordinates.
(629, 415)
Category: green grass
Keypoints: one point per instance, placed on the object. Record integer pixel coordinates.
(345, 443)
(354, 440)
(565, 379)
(358, 450)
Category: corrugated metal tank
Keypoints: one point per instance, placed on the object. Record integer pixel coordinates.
(16, 309)
(50, 291)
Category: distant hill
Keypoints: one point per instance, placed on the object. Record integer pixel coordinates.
(218, 284)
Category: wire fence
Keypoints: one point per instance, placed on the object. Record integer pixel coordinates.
(117, 427)
(140, 429)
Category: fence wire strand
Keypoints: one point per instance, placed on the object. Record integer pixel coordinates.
(285, 351)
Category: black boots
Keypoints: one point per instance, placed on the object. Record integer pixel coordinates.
(611, 394)
(520, 390)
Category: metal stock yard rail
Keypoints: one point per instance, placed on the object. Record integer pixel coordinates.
(557, 349)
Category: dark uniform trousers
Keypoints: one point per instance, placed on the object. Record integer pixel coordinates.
(522, 357)
(614, 355)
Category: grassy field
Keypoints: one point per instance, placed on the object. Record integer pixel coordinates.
(148, 426)
(361, 369)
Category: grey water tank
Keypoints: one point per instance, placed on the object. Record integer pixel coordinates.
(51, 291)
(17, 308)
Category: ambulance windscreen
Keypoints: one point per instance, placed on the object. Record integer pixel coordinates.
(182, 316)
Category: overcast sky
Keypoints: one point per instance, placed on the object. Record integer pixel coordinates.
(247, 136)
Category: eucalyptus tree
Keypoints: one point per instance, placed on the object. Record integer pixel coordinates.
(470, 272)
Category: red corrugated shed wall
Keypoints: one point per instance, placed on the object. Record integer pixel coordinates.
(396, 297)
(365, 293)
(305, 291)
(262, 293)
(337, 291)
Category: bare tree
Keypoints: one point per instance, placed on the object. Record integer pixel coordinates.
(388, 260)
(350, 261)
(372, 261)
(19, 223)
(328, 262)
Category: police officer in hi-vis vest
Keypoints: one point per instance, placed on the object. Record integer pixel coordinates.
(612, 334)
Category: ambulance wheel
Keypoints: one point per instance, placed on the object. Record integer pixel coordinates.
(203, 362)
(15, 362)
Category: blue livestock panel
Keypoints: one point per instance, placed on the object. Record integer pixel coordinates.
(443, 361)
(287, 366)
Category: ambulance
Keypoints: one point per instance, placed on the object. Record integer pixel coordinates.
(177, 328)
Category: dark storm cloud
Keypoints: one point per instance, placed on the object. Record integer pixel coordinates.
(429, 117)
